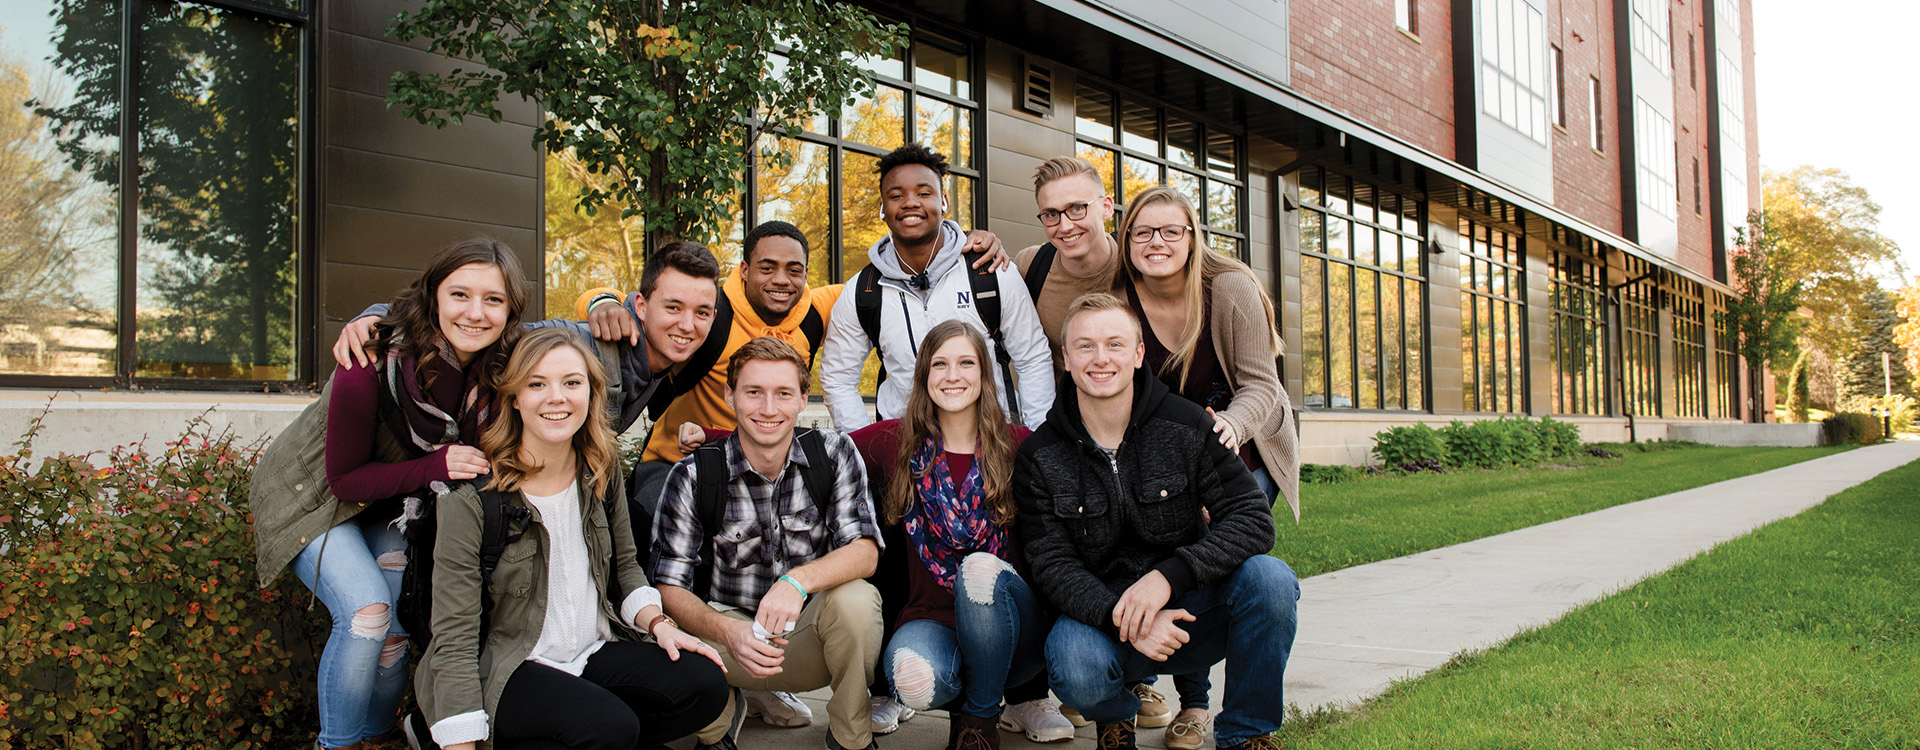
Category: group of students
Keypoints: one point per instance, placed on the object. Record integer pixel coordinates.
(987, 541)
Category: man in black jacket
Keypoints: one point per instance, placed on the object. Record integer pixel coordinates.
(1151, 540)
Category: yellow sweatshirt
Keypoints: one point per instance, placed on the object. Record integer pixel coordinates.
(706, 404)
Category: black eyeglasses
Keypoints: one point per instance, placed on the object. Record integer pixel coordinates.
(1170, 233)
(1074, 212)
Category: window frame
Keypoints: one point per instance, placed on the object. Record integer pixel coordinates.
(1513, 309)
(1205, 131)
(305, 365)
(1579, 274)
(1596, 115)
(1501, 85)
(1414, 378)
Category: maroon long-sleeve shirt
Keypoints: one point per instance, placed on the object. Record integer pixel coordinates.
(353, 416)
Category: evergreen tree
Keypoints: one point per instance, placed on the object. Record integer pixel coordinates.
(1798, 392)
(1861, 373)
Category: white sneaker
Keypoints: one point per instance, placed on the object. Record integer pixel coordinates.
(1040, 719)
(779, 709)
(888, 713)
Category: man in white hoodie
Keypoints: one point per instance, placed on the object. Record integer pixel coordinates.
(922, 280)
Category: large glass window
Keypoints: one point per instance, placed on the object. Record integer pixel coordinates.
(1363, 294)
(1513, 80)
(157, 241)
(1650, 29)
(1726, 365)
(1493, 324)
(1653, 149)
(1137, 145)
(1689, 350)
(1640, 340)
(1579, 331)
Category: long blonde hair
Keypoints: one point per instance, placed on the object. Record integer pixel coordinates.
(921, 420)
(593, 444)
(1203, 264)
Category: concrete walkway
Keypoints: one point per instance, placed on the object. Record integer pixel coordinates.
(1364, 627)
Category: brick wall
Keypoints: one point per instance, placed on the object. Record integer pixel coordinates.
(1351, 57)
(1586, 182)
(1690, 110)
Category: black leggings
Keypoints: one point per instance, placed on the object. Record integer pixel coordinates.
(629, 696)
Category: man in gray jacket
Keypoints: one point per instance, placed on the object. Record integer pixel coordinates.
(1151, 539)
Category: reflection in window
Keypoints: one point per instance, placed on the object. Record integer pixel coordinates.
(797, 192)
(1689, 349)
(947, 129)
(58, 245)
(1578, 332)
(219, 134)
(1653, 149)
(1640, 340)
(1493, 328)
(1726, 364)
(1153, 147)
(878, 119)
(1361, 299)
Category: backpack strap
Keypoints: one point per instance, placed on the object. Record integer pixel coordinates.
(820, 470)
(814, 327)
(1036, 276)
(866, 306)
(986, 301)
(496, 516)
(710, 507)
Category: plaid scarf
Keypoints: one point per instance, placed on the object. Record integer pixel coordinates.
(952, 520)
(421, 427)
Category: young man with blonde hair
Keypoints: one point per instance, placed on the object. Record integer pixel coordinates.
(1079, 256)
(1150, 538)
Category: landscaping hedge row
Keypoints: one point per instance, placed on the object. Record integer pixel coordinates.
(129, 608)
(1483, 444)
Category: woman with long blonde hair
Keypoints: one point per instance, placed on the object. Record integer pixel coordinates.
(572, 650)
(1210, 334)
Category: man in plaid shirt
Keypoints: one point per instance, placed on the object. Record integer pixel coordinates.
(786, 607)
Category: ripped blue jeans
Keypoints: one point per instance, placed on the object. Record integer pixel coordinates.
(353, 568)
(999, 640)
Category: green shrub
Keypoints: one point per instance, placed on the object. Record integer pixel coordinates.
(1899, 408)
(1799, 390)
(1477, 445)
(1557, 438)
(1851, 427)
(129, 609)
(1523, 441)
(1414, 444)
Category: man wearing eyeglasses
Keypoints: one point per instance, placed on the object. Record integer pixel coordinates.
(1080, 256)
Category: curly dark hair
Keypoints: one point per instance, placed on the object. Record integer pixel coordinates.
(914, 153)
(415, 312)
(772, 229)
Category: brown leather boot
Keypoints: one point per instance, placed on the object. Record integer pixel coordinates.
(973, 733)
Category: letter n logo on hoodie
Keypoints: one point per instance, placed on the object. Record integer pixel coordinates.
(966, 299)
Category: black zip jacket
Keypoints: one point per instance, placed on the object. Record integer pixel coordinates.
(1091, 526)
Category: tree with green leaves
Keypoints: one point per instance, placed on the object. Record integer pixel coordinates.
(1761, 313)
(1798, 392)
(1864, 373)
(657, 100)
(1826, 230)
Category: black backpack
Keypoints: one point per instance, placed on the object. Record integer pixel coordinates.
(710, 496)
(986, 299)
(501, 524)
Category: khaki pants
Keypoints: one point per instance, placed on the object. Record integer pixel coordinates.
(836, 642)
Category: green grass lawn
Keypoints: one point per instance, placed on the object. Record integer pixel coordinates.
(1805, 634)
(1347, 524)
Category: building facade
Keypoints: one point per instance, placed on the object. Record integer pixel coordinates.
(1464, 209)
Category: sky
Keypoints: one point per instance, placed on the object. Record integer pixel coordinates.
(1836, 90)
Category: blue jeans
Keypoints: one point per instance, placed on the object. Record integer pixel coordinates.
(360, 686)
(1193, 688)
(1248, 619)
(997, 642)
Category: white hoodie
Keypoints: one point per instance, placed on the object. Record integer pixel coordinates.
(905, 316)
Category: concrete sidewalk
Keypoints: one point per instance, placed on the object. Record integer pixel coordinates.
(1364, 627)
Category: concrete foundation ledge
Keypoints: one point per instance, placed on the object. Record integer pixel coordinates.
(80, 422)
(1783, 435)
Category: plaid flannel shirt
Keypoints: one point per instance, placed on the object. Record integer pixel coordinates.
(769, 525)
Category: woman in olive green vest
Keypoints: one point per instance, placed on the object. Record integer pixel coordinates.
(332, 494)
(574, 650)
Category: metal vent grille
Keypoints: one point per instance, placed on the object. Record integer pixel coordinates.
(1036, 88)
